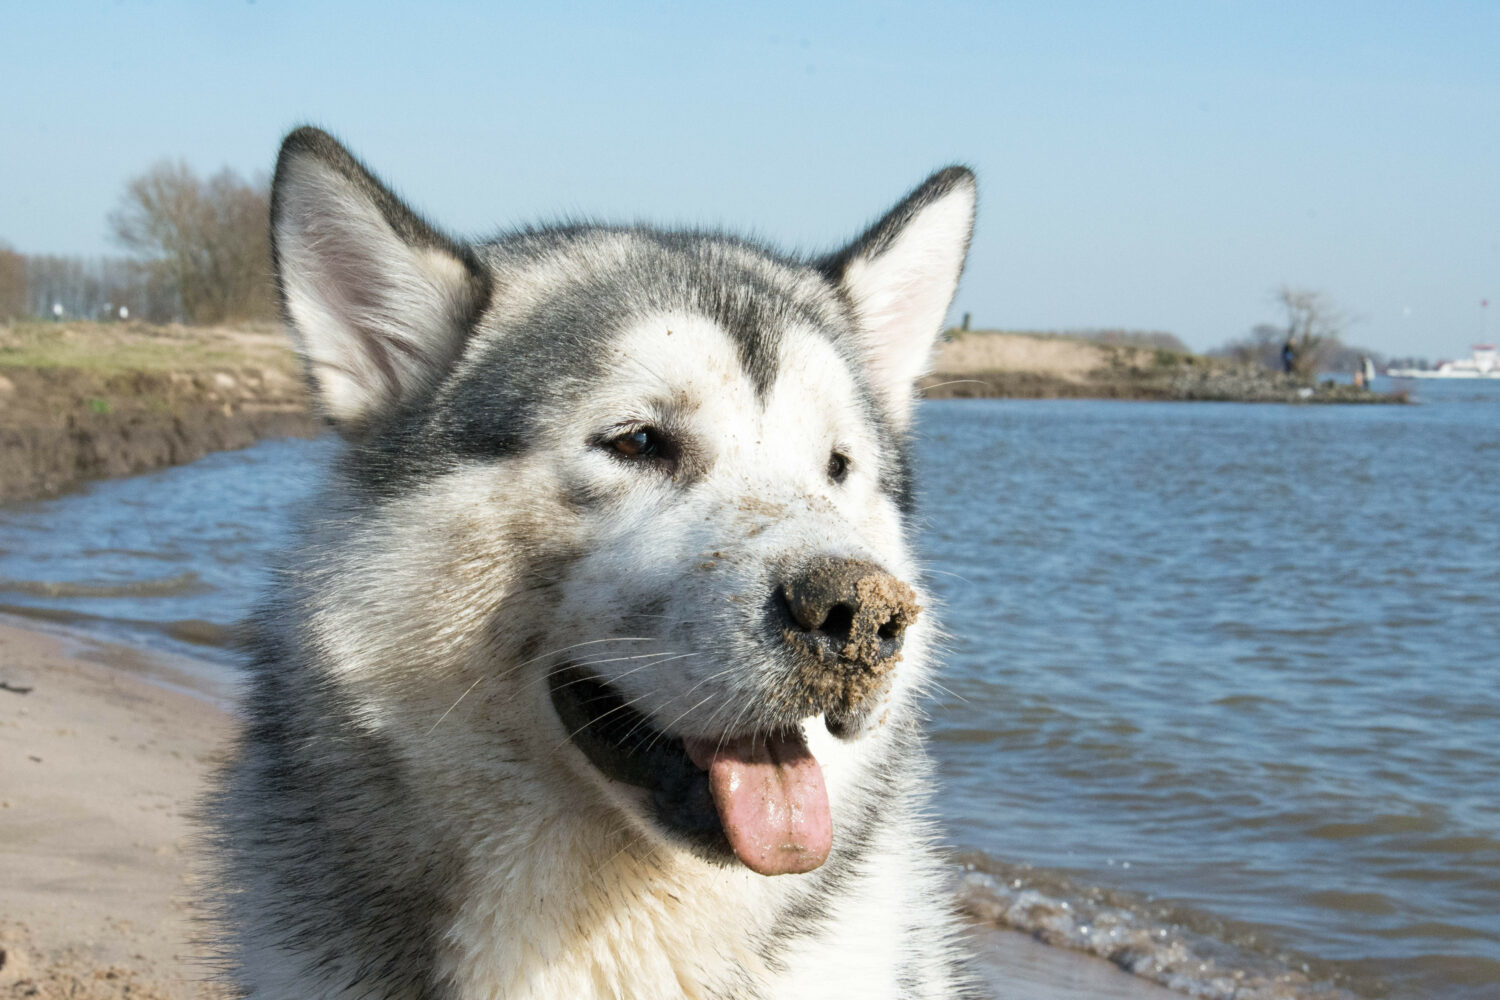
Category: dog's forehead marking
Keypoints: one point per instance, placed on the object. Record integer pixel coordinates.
(693, 366)
(680, 361)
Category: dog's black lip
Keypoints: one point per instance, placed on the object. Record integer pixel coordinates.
(623, 745)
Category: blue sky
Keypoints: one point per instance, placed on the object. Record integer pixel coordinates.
(1150, 166)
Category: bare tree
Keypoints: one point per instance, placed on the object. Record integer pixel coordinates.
(1314, 327)
(206, 238)
(86, 287)
(12, 284)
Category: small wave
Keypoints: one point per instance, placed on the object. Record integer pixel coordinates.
(194, 631)
(1248, 701)
(132, 554)
(1379, 826)
(203, 633)
(1163, 947)
(1351, 902)
(172, 586)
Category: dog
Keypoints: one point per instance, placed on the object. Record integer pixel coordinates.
(595, 670)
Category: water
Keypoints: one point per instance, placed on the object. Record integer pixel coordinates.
(1241, 662)
(170, 560)
(1223, 697)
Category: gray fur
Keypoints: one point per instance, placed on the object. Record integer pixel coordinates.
(405, 815)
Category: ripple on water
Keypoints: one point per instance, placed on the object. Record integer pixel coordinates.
(1287, 605)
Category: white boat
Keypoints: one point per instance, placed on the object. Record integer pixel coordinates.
(1485, 363)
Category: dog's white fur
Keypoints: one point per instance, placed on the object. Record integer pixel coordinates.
(427, 767)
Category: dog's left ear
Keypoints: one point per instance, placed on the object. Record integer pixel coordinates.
(900, 277)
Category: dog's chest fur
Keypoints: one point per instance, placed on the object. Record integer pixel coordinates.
(583, 933)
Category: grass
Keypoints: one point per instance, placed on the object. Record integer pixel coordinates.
(110, 348)
(954, 333)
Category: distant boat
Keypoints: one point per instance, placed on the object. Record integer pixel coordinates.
(1484, 364)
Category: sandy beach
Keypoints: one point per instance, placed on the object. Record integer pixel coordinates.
(105, 751)
(102, 765)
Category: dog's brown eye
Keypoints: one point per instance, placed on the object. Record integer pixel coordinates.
(838, 467)
(643, 442)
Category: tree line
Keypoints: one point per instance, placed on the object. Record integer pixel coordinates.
(197, 251)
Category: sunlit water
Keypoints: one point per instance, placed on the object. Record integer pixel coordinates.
(1224, 681)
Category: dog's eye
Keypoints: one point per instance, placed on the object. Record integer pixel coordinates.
(838, 467)
(643, 442)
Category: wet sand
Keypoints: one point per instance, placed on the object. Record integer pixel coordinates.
(102, 761)
(1017, 967)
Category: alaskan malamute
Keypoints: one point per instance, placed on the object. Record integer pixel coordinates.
(595, 671)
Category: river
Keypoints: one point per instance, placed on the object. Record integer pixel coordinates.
(1222, 698)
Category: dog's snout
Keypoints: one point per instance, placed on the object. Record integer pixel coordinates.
(848, 612)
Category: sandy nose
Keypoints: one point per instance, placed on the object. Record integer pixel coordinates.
(849, 610)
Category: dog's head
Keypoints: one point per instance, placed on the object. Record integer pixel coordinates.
(652, 485)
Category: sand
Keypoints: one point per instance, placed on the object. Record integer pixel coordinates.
(1062, 357)
(102, 762)
(100, 767)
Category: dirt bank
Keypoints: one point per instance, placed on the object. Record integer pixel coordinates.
(1048, 366)
(86, 400)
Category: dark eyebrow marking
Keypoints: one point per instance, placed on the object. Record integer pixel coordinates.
(757, 340)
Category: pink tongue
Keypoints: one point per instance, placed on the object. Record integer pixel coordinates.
(771, 800)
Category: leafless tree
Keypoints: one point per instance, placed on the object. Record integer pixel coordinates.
(1314, 326)
(12, 284)
(1261, 347)
(207, 238)
(87, 288)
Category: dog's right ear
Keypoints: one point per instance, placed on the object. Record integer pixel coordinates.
(378, 301)
(900, 277)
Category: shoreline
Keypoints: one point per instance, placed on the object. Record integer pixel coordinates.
(107, 753)
(1203, 387)
(87, 401)
(991, 364)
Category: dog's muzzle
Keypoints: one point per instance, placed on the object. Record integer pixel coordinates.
(845, 621)
(624, 746)
(758, 795)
